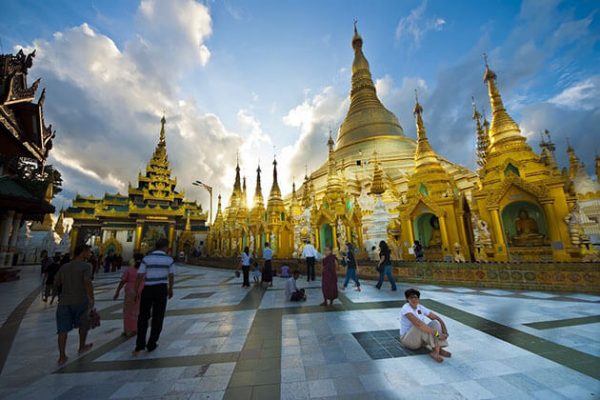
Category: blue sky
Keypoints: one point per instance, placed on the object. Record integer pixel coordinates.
(253, 76)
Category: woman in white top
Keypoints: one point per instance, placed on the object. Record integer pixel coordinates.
(245, 261)
(416, 333)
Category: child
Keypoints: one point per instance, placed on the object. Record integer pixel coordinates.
(256, 273)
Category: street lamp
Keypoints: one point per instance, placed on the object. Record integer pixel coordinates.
(209, 189)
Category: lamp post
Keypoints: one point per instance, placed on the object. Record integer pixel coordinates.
(209, 189)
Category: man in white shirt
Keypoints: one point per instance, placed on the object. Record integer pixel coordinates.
(291, 290)
(416, 333)
(310, 254)
(155, 282)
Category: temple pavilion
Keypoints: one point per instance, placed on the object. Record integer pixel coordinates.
(378, 184)
(125, 224)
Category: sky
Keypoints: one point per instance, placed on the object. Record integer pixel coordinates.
(271, 78)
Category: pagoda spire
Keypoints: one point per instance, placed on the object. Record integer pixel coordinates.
(219, 215)
(275, 191)
(59, 227)
(259, 202)
(377, 184)
(483, 140)
(366, 117)
(237, 188)
(424, 154)
(163, 121)
(574, 162)
(503, 127)
(244, 202)
(306, 191)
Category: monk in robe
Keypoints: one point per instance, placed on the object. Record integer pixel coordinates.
(329, 278)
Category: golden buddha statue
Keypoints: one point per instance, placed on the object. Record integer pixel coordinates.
(528, 233)
(436, 235)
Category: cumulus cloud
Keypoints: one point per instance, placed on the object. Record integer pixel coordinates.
(314, 117)
(584, 95)
(416, 25)
(106, 102)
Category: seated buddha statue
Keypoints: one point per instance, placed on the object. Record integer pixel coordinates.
(436, 235)
(528, 233)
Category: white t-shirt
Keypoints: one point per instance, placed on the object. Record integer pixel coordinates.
(421, 313)
(290, 288)
(309, 251)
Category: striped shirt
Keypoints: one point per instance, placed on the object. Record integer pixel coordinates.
(157, 266)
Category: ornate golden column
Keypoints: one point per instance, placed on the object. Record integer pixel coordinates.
(334, 245)
(74, 234)
(499, 235)
(171, 236)
(411, 232)
(444, 231)
(138, 236)
(551, 221)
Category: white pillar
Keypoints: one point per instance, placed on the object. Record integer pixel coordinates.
(5, 234)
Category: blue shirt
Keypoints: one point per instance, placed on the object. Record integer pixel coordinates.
(267, 253)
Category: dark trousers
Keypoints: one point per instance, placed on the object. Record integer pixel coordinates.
(298, 295)
(153, 300)
(310, 268)
(246, 271)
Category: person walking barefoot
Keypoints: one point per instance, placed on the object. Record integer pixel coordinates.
(75, 301)
(329, 278)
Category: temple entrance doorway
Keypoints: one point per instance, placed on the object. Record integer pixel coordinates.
(325, 236)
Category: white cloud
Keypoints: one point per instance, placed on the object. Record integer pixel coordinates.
(314, 117)
(105, 102)
(584, 95)
(417, 25)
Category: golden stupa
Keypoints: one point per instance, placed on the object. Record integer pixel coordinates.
(378, 184)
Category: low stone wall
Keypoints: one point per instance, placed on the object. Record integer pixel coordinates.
(551, 276)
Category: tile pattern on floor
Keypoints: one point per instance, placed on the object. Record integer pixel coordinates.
(222, 341)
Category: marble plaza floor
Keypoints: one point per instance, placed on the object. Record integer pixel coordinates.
(222, 341)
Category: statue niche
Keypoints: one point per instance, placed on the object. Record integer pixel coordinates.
(436, 235)
(524, 224)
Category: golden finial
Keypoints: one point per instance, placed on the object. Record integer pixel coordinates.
(418, 110)
(330, 142)
(476, 115)
(355, 22)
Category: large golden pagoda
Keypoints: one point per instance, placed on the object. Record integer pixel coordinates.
(378, 184)
(152, 209)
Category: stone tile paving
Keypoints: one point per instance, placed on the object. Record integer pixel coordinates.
(250, 343)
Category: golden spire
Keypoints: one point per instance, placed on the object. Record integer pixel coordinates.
(219, 215)
(424, 154)
(306, 192)
(377, 185)
(163, 121)
(258, 196)
(237, 185)
(574, 163)
(275, 191)
(244, 195)
(367, 117)
(483, 140)
(59, 228)
(503, 127)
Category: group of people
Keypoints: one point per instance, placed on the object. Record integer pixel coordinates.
(148, 283)
(266, 275)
